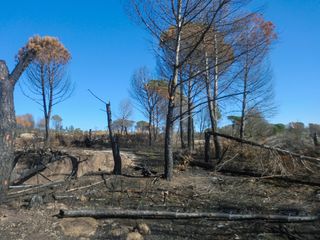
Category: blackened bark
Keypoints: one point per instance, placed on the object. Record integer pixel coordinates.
(46, 138)
(216, 140)
(212, 110)
(168, 154)
(44, 103)
(7, 128)
(183, 145)
(114, 144)
(315, 139)
(150, 128)
(207, 147)
(8, 118)
(244, 104)
(190, 132)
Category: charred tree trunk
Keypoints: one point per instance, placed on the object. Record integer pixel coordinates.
(315, 139)
(7, 128)
(150, 128)
(192, 133)
(8, 118)
(168, 153)
(190, 130)
(190, 118)
(212, 110)
(183, 145)
(244, 104)
(46, 138)
(207, 146)
(217, 143)
(114, 144)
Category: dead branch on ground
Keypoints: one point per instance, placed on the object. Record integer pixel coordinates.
(146, 214)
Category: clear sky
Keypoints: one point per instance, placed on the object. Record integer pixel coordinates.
(107, 47)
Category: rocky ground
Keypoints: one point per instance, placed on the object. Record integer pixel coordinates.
(30, 213)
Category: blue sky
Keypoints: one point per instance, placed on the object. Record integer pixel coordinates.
(107, 47)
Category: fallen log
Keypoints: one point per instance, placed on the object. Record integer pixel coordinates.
(239, 140)
(146, 214)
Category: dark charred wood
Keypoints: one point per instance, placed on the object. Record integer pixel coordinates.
(146, 214)
(117, 170)
(279, 150)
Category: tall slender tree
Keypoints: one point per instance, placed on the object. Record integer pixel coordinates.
(148, 94)
(256, 37)
(47, 83)
(170, 19)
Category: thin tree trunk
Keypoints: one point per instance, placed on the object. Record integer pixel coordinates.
(183, 145)
(114, 144)
(190, 118)
(168, 154)
(217, 143)
(315, 139)
(244, 104)
(45, 108)
(150, 128)
(211, 108)
(46, 139)
(192, 124)
(156, 123)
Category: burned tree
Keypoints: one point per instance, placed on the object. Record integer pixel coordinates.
(7, 114)
(255, 82)
(47, 83)
(149, 96)
(113, 139)
(125, 112)
(163, 18)
(114, 143)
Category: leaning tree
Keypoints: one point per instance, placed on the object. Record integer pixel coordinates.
(8, 80)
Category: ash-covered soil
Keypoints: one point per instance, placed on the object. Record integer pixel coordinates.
(192, 190)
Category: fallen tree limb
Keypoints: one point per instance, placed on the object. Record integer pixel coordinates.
(303, 180)
(146, 214)
(29, 174)
(54, 156)
(239, 140)
(84, 187)
(36, 187)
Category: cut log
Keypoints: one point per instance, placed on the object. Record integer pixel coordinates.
(146, 214)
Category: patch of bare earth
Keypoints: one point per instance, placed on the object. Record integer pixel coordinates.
(193, 190)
